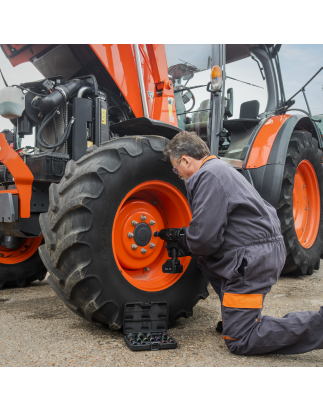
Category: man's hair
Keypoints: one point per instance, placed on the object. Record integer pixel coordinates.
(186, 143)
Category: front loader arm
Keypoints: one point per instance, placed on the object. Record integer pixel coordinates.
(22, 176)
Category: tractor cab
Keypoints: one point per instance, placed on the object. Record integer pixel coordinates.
(250, 89)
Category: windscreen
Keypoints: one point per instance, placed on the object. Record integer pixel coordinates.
(189, 69)
(245, 78)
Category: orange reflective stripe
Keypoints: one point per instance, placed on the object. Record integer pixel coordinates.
(207, 159)
(228, 338)
(242, 300)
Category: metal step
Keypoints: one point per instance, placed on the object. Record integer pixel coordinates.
(237, 164)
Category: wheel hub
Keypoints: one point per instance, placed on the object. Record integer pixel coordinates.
(24, 250)
(149, 207)
(142, 234)
(136, 249)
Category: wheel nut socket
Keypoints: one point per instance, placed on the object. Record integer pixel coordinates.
(150, 337)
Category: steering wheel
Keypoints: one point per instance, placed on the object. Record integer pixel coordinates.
(180, 88)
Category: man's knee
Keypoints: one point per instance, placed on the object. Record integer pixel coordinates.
(237, 347)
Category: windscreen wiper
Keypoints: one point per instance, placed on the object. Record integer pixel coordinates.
(4, 80)
(205, 85)
(250, 84)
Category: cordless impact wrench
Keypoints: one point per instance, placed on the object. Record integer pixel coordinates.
(171, 235)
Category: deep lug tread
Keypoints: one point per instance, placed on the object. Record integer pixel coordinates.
(68, 263)
(53, 197)
(302, 146)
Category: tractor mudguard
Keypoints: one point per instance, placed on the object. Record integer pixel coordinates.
(266, 164)
(145, 126)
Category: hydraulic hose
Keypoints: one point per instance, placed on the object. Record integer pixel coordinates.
(64, 138)
(95, 83)
(60, 95)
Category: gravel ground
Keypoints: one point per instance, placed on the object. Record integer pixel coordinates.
(37, 329)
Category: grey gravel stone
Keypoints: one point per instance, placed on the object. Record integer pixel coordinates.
(36, 329)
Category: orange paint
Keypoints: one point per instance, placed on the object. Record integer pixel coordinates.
(26, 249)
(119, 60)
(264, 141)
(164, 204)
(20, 172)
(242, 300)
(25, 55)
(306, 204)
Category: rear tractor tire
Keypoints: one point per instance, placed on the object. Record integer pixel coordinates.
(300, 208)
(99, 245)
(22, 265)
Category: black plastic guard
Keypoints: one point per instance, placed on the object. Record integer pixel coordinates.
(143, 126)
(268, 181)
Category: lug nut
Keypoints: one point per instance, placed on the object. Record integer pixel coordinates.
(143, 250)
(143, 218)
(152, 245)
(146, 269)
(134, 246)
(151, 222)
(130, 235)
(134, 222)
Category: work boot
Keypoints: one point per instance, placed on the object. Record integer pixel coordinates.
(219, 327)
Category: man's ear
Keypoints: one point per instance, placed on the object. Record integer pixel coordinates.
(187, 159)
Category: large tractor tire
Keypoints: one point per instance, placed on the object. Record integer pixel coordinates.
(99, 245)
(300, 207)
(22, 265)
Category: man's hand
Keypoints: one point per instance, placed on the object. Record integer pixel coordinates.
(180, 245)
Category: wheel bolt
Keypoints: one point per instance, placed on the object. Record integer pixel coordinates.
(152, 245)
(134, 246)
(146, 269)
(143, 218)
(130, 235)
(143, 251)
(134, 222)
(151, 222)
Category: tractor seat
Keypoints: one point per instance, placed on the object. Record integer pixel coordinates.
(249, 112)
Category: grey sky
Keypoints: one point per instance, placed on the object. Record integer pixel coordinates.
(298, 64)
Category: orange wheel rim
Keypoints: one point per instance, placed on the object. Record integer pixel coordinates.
(153, 205)
(306, 204)
(26, 249)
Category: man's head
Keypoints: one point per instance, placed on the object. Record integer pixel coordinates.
(186, 152)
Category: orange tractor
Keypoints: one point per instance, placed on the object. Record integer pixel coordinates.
(95, 186)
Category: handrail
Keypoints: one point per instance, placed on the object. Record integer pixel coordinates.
(302, 89)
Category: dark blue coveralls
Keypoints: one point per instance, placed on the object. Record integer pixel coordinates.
(237, 235)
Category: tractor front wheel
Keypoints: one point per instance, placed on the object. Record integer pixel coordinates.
(21, 265)
(99, 244)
